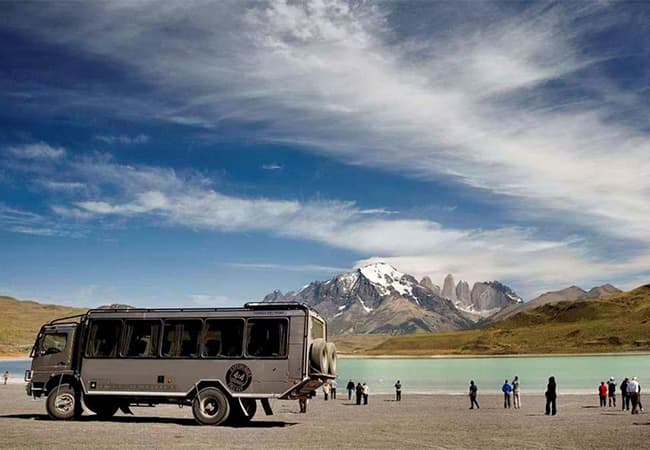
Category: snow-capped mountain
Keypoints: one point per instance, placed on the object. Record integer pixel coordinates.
(378, 298)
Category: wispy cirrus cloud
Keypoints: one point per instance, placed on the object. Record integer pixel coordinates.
(475, 104)
(423, 247)
(123, 139)
(272, 166)
(38, 150)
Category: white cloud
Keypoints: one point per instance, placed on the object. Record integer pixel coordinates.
(272, 166)
(421, 247)
(123, 139)
(38, 150)
(472, 103)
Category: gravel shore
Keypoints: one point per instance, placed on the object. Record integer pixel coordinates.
(419, 421)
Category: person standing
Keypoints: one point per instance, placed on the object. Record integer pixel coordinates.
(398, 391)
(551, 397)
(602, 394)
(359, 392)
(611, 391)
(350, 388)
(473, 391)
(302, 401)
(5, 376)
(515, 393)
(365, 393)
(633, 394)
(625, 400)
(507, 389)
(639, 399)
(333, 389)
(326, 390)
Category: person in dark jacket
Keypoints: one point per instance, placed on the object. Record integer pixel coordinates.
(398, 391)
(473, 390)
(611, 392)
(359, 391)
(350, 388)
(506, 389)
(551, 397)
(625, 400)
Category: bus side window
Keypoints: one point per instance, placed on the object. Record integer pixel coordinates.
(181, 338)
(267, 338)
(141, 338)
(104, 338)
(223, 338)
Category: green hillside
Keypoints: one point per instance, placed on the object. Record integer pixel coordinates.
(21, 320)
(612, 324)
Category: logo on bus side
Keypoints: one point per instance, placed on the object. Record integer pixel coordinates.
(239, 377)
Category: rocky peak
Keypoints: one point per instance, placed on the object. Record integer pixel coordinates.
(449, 288)
(463, 293)
(427, 283)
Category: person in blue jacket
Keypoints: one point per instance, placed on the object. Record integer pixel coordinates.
(507, 390)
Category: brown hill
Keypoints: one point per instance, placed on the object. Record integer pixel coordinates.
(570, 294)
(21, 320)
(617, 323)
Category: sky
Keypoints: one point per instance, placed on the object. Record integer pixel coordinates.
(203, 153)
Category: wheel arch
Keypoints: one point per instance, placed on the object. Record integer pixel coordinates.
(59, 380)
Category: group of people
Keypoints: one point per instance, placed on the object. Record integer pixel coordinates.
(510, 389)
(513, 390)
(360, 391)
(329, 389)
(630, 394)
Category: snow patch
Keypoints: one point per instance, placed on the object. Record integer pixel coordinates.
(386, 278)
(367, 309)
(342, 307)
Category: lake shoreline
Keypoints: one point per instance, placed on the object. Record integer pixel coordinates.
(477, 356)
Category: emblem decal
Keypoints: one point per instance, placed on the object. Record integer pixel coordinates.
(239, 377)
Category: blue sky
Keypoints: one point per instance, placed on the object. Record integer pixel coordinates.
(199, 153)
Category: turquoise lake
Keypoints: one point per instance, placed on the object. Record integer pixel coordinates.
(574, 374)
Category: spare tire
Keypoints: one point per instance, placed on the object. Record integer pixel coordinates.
(331, 359)
(318, 357)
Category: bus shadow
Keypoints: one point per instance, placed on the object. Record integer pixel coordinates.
(161, 420)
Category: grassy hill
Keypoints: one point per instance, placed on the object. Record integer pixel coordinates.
(612, 324)
(21, 320)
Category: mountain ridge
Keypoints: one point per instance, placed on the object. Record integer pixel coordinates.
(353, 302)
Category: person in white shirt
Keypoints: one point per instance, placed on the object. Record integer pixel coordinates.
(333, 389)
(365, 394)
(633, 393)
(326, 390)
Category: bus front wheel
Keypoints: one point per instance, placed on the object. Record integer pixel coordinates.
(210, 407)
(104, 409)
(63, 403)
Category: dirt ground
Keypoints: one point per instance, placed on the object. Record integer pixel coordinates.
(422, 421)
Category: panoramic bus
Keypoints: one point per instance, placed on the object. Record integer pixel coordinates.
(219, 361)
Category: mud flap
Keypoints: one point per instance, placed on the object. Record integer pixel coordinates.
(267, 406)
(303, 389)
(126, 410)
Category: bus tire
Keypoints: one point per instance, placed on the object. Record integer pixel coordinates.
(331, 359)
(237, 416)
(318, 356)
(62, 403)
(210, 407)
(103, 408)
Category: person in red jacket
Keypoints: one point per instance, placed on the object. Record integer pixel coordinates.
(602, 393)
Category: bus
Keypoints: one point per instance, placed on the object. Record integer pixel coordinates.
(219, 361)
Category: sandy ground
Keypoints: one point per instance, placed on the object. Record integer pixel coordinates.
(423, 421)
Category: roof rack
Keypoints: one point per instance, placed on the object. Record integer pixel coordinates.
(67, 318)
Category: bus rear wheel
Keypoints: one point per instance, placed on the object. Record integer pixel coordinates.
(63, 403)
(210, 407)
(104, 409)
(237, 416)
